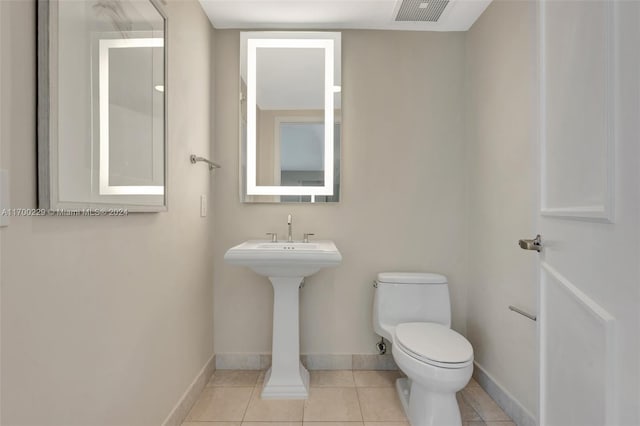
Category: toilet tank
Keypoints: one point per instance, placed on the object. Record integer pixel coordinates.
(409, 297)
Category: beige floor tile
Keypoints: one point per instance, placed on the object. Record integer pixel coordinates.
(380, 404)
(211, 424)
(273, 410)
(473, 384)
(221, 404)
(332, 404)
(467, 412)
(488, 410)
(228, 399)
(376, 378)
(333, 424)
(234, 378)
(335, 379)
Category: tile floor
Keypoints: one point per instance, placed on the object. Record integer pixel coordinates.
(337, 398)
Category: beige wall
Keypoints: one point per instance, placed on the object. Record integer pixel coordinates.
(500, 80)
(402, 188)
(105, 321)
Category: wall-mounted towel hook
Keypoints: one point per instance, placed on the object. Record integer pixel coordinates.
(194, 159)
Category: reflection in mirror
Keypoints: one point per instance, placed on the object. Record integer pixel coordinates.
(290, 116)
(126, 76)
(102, 104)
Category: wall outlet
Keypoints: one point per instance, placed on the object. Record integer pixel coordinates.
(203, 206)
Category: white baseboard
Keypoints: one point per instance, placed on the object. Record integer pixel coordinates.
(520, 415)
(249, 361)
(243, 361)
(189, 397)
(374, 361)
(327, 361)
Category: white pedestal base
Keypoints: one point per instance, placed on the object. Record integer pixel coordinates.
(287, 378)
(287, 391)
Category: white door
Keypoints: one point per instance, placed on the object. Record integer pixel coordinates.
(589, 213)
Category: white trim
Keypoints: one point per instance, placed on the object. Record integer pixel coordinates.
(327, 361)
(538, 106)
(243, 361)
(191, 394)
(261, 361)
(2, 26)
(104, 187)
(598, 313)
(578, 212)
(604, 212)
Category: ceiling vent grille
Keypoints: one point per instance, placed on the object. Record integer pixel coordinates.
(421, 10)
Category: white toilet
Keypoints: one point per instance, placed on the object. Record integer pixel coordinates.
(413, 312)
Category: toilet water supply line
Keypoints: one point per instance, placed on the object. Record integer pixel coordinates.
(381, 345)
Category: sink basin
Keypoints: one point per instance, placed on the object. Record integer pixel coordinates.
(286, 265)
(284, 259)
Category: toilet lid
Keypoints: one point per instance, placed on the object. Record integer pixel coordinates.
(433, 342)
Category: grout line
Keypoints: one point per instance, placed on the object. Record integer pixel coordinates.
(256, 388)
(248, 403)
(471, 406)
(305, 401)
(496, 404)
(359, 403)
(464, 398)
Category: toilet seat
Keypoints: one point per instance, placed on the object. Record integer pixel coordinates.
(434, 344)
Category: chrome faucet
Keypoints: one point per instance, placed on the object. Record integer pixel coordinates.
(290, 239)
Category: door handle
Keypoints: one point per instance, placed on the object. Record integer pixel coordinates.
(535, 244)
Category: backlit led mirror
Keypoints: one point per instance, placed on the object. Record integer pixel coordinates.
(102, 105)
(290, 120)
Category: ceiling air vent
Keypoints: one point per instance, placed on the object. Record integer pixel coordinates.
(421, 10)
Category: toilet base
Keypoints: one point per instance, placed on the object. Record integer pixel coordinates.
(403, 387)
(424, 408)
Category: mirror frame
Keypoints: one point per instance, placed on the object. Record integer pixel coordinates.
(330, 42)
(48, 112)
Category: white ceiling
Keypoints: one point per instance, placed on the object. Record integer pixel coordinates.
(459, 15)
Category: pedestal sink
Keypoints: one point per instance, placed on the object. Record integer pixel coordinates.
(286, 265)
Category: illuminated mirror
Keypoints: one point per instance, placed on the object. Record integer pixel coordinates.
(102, 105)
(128, 135)
(290, 89)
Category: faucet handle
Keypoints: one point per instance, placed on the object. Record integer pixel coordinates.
(305, 239)
(274, 236)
